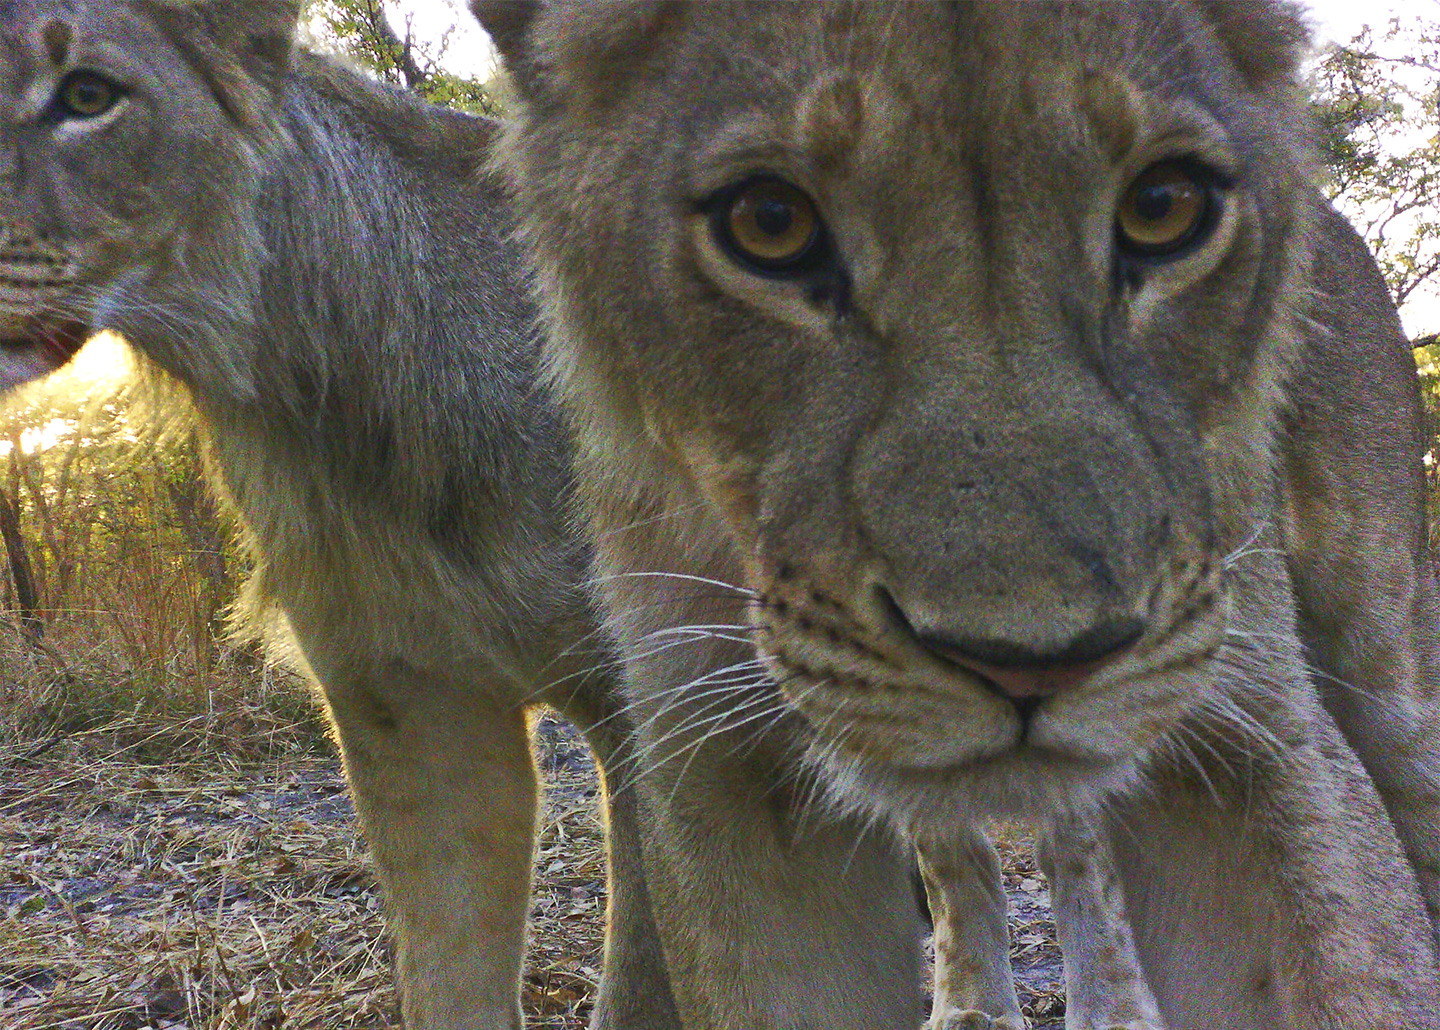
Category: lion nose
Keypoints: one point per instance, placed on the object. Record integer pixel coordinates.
(1033, 680)
(1023, 672)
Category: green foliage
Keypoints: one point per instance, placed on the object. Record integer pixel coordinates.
(361, 30)
(1427, 363)
(1377, 101)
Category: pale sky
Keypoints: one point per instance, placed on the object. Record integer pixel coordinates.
(1333, 19)
(1339, 20)
(470, 49)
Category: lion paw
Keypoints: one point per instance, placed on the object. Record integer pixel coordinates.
(970, 1019)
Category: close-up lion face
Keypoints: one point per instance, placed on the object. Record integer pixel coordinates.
(966, 319)
(123, 135)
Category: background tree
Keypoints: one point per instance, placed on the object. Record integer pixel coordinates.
(372, 34)
(1377, 101)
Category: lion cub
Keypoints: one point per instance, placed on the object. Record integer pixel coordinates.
(325, 268)
(969, 329)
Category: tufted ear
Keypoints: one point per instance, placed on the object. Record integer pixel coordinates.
(260, 34)
(572, 45)
(1266, 38)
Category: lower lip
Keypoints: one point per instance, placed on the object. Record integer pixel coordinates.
(43, 348)
(61, 340)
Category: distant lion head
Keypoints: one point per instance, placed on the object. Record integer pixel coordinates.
(125, 127)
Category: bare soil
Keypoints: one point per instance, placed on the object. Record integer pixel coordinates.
(207, 891)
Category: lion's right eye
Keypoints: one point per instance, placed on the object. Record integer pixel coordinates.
(769, 226)
(86, 95)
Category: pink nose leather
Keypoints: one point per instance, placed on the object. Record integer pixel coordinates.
(1022, 683)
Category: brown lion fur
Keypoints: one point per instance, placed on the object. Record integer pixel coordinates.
(325, 269)
(969, 429)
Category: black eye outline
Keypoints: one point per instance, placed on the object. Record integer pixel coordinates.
(817, 255)
(66, 109)
(1213, 184)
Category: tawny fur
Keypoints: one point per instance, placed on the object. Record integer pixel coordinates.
(985, 422)
(1356, 550)
(324, 268)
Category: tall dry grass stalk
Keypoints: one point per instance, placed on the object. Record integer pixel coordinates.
(116, 574)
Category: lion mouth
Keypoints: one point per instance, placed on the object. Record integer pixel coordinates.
(911, 723)
(40, 347)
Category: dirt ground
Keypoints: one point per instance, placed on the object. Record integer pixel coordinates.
(207, 893)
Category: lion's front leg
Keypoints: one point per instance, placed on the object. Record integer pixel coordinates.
(635, 991)
(1353, 947)
(1370, 616)
(772, 918)
(445, 788)
(974, 984)
(1105, 986)
(1393, 722)
(1268, 888)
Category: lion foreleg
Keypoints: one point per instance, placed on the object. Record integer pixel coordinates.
(1380, 679)
(445, 787)
(1397, 736)
(635, 990)
(1276, 895)
(974, 984)
(1105, 986)
(771, 921)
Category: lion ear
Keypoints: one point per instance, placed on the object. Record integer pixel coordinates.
(578, 47)
(244, 47)
(1265, 38)
(260, 34)
(507, 22)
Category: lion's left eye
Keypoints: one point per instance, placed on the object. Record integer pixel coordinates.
(85, 95)
(1168, 211)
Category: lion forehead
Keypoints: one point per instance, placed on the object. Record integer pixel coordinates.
(902, 95)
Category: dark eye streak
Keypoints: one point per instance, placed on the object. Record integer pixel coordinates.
(832, 290)
(1126, 275)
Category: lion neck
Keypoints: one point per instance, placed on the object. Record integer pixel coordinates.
(363, 296)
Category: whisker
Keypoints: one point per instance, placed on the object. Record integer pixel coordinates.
(694, 746)
(686, 693)
(684, 577)
(1244, 547)
(535, 695)
(689, 509)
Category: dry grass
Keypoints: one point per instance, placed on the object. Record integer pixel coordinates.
(221, 890)
(189, 876)
(182, 855)
(78, 680)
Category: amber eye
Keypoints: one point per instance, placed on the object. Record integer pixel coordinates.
(1168, 209)
(86, 95)
(768, 223)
